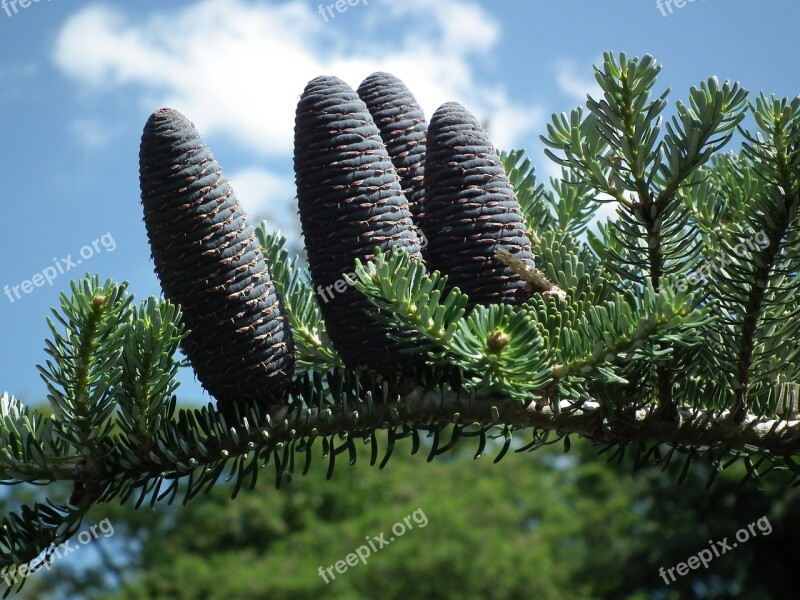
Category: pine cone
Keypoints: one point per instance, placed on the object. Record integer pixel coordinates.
(403, 129)
(209, 261)
(350, 201)
(471, 211)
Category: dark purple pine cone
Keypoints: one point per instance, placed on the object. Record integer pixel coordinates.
(209, 261)
(403, 128)
(471, 211)
(350, 202)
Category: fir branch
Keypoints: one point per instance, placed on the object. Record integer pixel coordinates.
(313, 348)
(298, 424)
(144, 394)
(533, 199)
(85, 369)
(777, 160)
(699, 130)
(531, 274)
(28, 444)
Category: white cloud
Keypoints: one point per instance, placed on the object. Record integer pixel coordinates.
(513, 128)
(238, 68)
(229, 67)
(264, 194)
(576, 82)
(448, 20)
(92, 133)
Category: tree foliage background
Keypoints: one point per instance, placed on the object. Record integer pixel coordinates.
(549, 525)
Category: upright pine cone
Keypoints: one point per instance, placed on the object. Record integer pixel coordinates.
(209, 261)
(471, 210)
(403, 129)
(350, 201)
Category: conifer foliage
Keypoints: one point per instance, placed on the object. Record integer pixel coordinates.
(673, 335)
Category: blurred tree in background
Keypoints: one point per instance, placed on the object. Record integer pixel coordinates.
(546, 525)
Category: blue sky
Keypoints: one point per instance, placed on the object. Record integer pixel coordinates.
(78, 80)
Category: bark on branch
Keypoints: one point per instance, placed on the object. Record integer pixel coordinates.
(691, 427)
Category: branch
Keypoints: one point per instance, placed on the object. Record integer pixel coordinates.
(530, 274)
(427, 409)
(694, 426)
